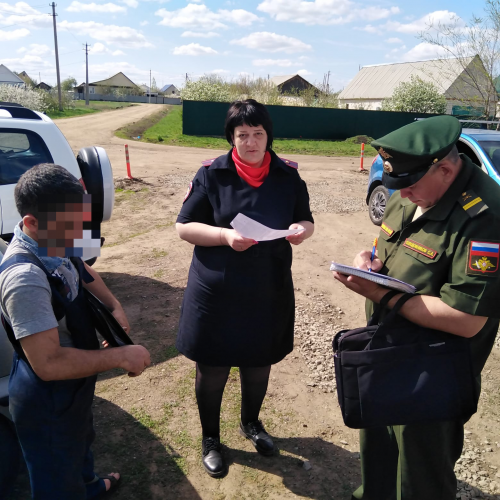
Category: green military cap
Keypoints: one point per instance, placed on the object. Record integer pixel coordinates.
(410, 151)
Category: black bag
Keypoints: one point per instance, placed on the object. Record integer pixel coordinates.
(397, 372)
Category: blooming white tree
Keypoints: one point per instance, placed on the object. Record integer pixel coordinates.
(416, 96)
(32, 99)
(207, 88)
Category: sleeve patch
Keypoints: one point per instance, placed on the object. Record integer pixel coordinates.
(188, 192)
(483, 258)
(207, 163)
(472, 203)
(290, 163)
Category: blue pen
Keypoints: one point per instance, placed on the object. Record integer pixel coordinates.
(374, 249)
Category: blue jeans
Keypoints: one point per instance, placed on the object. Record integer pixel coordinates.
(54, 424)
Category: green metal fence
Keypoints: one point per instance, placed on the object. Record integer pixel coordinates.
(293, 122)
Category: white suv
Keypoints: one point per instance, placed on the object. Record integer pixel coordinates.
(26, 139)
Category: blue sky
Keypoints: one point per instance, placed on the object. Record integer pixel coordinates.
(228, 37)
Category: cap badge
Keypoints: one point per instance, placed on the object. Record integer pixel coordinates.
(435, 161)
(384, 154)
(387, 167)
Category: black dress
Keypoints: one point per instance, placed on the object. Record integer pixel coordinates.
(239, 307)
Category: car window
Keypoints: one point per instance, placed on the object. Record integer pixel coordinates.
(468, 151)
(492, 149)
(19, 151)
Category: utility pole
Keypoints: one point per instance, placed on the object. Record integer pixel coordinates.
(53, 5)
(86, 74)
(149, 86)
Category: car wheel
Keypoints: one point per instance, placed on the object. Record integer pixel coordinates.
(10, 456)
(377, 203)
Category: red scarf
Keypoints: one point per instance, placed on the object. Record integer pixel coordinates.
(254, 176)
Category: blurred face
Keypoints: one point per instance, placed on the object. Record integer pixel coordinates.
(250, 143)
(58, 232)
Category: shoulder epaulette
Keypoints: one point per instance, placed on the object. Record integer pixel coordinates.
(472, 203)
(290, 163)
(207, 163)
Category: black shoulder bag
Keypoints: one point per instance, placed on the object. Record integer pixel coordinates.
(396, 372)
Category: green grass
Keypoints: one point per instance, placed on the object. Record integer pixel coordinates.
(168, 131)
(93, 107)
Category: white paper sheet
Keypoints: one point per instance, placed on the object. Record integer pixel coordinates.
(250, 228)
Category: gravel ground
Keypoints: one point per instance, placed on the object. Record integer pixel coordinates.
(317, 322)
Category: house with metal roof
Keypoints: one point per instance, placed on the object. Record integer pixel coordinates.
(7, 77)
(115, 82)
(291, 83)
(169, 89)
(461, 81)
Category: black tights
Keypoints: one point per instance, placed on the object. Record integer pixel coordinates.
(210, 383)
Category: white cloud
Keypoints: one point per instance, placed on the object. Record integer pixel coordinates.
(284, 63)
(35, 49)
(303, 72)
(6, 36)
(100, 49)
(193, 49)
(24, 15)
(271, 42)
(109, 33)
(199, 34)
(28, 63)
(424, 51)
(130, 3)
(144, 23)
(324, 12)
(443, 17)
(200, 17)
(394, 40)
(118, 53)
(108, 8)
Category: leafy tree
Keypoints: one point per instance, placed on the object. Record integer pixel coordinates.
(154, 87)
(68, 84)
(480, 37)
(30, 82)
(417, 96)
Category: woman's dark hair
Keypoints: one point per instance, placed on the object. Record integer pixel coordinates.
(248, 112)
(45, 185)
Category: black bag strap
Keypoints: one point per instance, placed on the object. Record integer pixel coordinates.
(381, 306)
(395, 310)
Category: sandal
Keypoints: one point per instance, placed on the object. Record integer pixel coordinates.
(113, 483)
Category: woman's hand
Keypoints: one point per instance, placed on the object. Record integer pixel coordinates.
(232, 238)
(297, 239)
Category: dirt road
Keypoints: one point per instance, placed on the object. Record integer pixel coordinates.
(148, 427)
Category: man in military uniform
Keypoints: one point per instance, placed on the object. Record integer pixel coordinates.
(441, 233)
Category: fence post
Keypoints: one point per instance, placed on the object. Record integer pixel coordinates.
(361, 169)
(129, 174)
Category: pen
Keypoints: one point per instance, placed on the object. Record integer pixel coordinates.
(374, 249)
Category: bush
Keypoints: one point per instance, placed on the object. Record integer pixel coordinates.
(51, 100)
(29, 98)
(359, 139)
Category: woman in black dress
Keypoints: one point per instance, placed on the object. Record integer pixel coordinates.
(239, 305)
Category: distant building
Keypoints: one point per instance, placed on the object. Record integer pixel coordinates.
(288, 84)
(115, 82)
(43, 86)
(7, 77)
(169, 89)
(453, 77)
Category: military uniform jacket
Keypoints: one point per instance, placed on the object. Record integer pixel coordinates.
(451, 251)
(238, 307)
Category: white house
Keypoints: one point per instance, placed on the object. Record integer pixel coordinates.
(453, 77)
(7, 77)
(169, 89)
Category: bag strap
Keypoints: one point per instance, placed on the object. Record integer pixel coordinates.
(381, 306)
(395, 310)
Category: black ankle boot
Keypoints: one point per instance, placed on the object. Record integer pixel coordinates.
(212, 458)
(258, 436)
